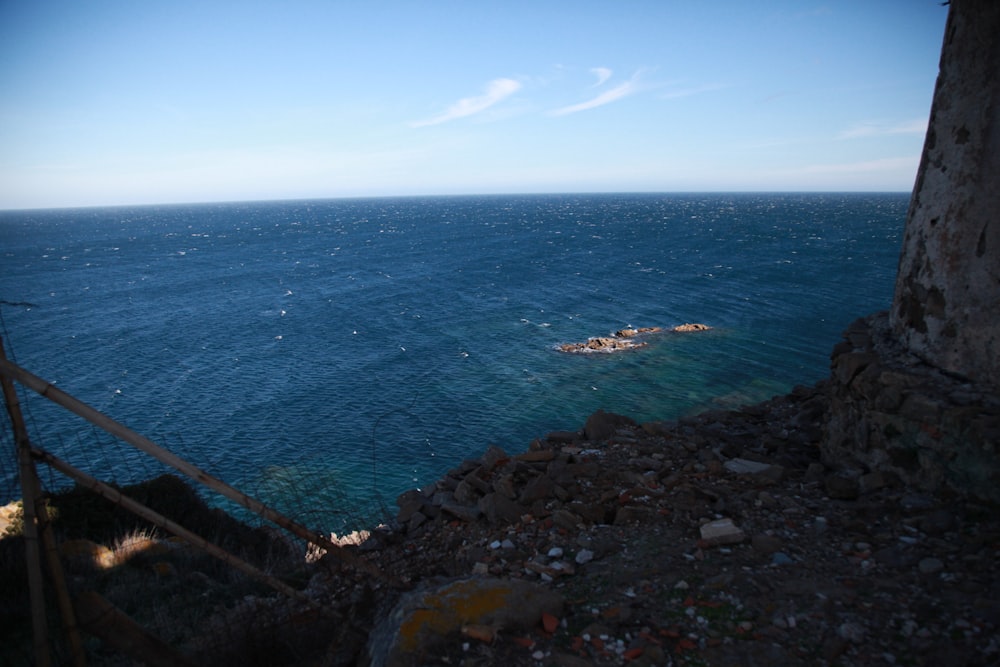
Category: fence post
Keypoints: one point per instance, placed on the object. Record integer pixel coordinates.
(36, 517)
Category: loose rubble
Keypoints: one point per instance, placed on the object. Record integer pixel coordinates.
(719, 539)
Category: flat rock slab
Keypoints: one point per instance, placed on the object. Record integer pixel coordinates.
(722, 531)
(745, 466)
(764, 472)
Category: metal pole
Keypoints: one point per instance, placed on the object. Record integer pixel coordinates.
(32, 551)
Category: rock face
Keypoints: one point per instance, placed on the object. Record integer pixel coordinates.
(625, 339)
(948, 287)
(894, 414)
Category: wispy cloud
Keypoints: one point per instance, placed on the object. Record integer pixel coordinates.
(879, 128)
(496, 90)
(868, 166)
(620, 91)
(693, 90)
(602, 74)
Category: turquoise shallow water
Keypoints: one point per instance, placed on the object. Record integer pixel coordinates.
(328, 355)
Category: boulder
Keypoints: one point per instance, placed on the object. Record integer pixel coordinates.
(602, 425)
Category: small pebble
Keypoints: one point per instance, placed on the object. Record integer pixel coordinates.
(930, 565)
(852, 632)
(779, 558)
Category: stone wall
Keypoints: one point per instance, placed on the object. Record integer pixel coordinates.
(892, 413)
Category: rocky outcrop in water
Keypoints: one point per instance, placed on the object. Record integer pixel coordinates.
(625, 339)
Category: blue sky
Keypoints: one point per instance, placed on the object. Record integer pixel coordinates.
(133, 102)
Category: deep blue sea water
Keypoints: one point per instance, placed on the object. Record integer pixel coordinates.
(328, 355)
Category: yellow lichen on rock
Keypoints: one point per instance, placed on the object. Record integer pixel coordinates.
(475, 607)
(458, 604)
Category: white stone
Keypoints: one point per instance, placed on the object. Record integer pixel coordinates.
(721, 531)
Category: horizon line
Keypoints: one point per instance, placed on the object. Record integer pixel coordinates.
(209, 202)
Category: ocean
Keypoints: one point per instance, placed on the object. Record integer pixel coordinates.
(328, 355)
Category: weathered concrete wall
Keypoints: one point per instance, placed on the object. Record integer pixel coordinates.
(914, 392)
(947, 300)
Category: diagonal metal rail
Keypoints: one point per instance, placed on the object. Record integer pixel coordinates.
(143, 444)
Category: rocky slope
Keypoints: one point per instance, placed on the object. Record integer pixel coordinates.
(716, 540)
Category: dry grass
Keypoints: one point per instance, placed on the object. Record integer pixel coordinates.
(179, 594)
